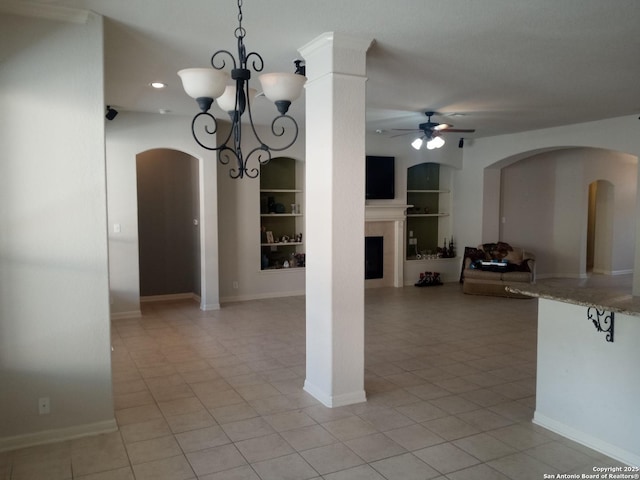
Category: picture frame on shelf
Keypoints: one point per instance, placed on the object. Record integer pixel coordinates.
(269, 235)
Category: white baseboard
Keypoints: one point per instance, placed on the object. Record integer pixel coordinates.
(334, 401)
(546, 276)
(170, 297)
(129, 314)
(261, 296)
(209, 306)
(587, 440)
(57, 435)
(622, 272)
(613, 273)
(582, 276)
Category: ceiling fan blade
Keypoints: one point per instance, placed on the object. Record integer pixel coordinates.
(468, 130)
(406, 129)
(442, 126)
(403, 134)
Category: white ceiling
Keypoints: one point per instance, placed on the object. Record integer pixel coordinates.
(507, 65)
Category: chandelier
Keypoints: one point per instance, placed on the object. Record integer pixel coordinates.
(208, 84)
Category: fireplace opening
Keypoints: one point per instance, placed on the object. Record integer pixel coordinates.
(373, 257)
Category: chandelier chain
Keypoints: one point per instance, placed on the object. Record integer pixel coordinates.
(240, 31)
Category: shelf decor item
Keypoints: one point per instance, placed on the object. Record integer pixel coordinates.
(207, 84)
(448, 250)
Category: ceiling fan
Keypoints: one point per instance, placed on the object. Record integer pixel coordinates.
(431, 132)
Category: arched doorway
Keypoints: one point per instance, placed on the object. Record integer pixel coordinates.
(168, 223)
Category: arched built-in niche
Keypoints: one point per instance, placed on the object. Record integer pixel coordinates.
(428, 221)
(281, 214)
(242, 243)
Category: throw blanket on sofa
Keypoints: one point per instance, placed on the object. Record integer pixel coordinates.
(499, 257)
(497, 251)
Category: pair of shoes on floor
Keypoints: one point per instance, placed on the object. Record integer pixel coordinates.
(428, 279)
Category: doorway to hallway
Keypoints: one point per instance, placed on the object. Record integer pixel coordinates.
(168, 223)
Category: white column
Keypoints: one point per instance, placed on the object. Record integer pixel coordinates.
(335, 163)
(635, 291)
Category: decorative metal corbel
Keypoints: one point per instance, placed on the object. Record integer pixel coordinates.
(603, 321)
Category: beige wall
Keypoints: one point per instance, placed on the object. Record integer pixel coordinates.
(54, 310)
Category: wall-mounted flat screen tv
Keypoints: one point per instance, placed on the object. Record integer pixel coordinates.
(380, 178)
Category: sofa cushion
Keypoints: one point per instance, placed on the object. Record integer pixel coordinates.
(516, 277)
(506, 277)
(477, 274)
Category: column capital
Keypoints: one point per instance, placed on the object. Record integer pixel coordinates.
(335, 52)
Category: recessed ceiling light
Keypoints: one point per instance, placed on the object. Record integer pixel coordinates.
(158, 84)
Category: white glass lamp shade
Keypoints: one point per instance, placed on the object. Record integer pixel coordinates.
(203, 82)
(227, 101)
(417, 143)
(282, 86)
(435, 142)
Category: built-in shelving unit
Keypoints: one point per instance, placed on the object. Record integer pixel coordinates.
(281, 217)
(421, 196)
(428, 222)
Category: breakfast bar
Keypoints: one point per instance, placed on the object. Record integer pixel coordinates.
(588, 367)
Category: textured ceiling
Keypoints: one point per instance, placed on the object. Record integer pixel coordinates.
(507, 65)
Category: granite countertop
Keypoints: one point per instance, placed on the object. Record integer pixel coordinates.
(615, 300)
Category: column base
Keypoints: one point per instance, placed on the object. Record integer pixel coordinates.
(333, 401)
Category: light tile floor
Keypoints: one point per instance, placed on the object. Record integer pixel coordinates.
(450, 381)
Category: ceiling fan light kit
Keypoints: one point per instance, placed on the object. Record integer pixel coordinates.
(435, 142)
(432, 143)
(432, 133)
(206, 85)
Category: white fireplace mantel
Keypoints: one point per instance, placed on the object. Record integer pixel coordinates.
(380, 212)
(396, 213)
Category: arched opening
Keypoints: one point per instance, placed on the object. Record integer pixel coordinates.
(168, 224)
(543, 205)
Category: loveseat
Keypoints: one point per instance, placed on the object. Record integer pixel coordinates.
(491, 267)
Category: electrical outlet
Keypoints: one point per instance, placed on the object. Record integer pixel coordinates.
(44, 407)
(413, 241)
(235, 284)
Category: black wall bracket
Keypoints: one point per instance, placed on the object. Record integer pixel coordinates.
(603, 321)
